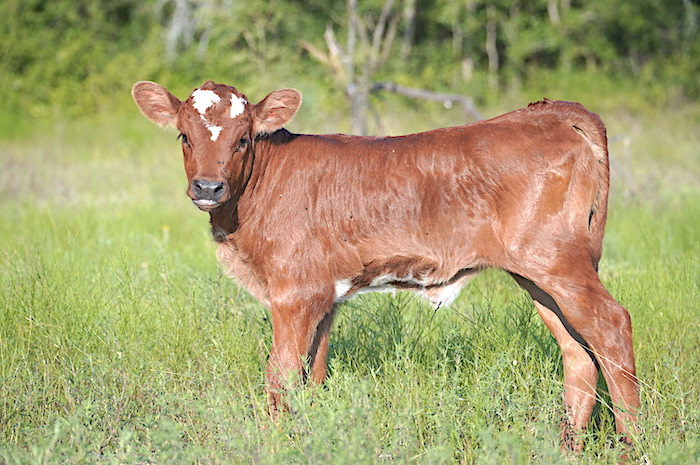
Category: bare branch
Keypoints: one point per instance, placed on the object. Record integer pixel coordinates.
(336, 55)
(387, 46)
(353, 23)
(379, 28)
(467, 103)
(320, 56)
(409, 33)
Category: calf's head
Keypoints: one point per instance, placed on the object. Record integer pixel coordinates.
(218, 128)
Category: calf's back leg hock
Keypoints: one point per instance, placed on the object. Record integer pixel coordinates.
(605, 326)
(580, 367)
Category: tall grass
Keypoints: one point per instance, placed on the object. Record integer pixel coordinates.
(121, 341)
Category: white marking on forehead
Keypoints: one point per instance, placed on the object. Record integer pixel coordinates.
(237, 105)
(202, 100)
(215, 131)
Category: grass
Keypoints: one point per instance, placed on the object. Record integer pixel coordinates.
(121, 342)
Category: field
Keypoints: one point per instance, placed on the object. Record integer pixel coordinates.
(121, 341)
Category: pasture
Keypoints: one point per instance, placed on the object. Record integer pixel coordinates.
(122, 342)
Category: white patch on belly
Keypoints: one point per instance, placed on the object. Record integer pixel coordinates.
(384, 283)
(443, 295)
(380, 281)
(237, 105)
(202, 100)
(342, 286)
(439, 294)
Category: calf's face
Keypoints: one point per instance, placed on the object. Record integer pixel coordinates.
(218, 127)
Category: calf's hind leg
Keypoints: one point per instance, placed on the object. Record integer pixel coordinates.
(580, 367)
(318, 353)
(589, 311)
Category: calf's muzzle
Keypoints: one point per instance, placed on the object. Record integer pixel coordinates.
(207, 193)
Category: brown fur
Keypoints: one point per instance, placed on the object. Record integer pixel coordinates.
(306, 221)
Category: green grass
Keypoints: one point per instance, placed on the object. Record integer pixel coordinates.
(121, 342)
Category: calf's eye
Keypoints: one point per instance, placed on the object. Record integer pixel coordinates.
(184, 138)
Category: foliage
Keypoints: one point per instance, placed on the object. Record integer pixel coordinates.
(74, 57)
(66, 53)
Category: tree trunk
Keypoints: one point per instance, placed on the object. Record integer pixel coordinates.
(359, 108)
(491, 45)
(410, 31)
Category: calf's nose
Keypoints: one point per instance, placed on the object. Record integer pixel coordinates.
(207, 190)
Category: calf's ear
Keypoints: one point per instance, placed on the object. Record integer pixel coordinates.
(276, 110)
(156, 103)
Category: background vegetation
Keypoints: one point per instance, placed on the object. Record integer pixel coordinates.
(121, 342)
(79, 56)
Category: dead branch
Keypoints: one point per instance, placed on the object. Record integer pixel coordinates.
(470, 110)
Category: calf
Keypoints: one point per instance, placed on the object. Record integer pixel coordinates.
(304, 222)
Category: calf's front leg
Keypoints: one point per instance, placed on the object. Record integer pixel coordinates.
(301, 320)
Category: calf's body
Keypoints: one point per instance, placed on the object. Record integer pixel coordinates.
(305, 222)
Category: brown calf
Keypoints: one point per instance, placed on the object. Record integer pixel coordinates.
(304, 222)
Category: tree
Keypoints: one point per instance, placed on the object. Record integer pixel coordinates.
(367, 47)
